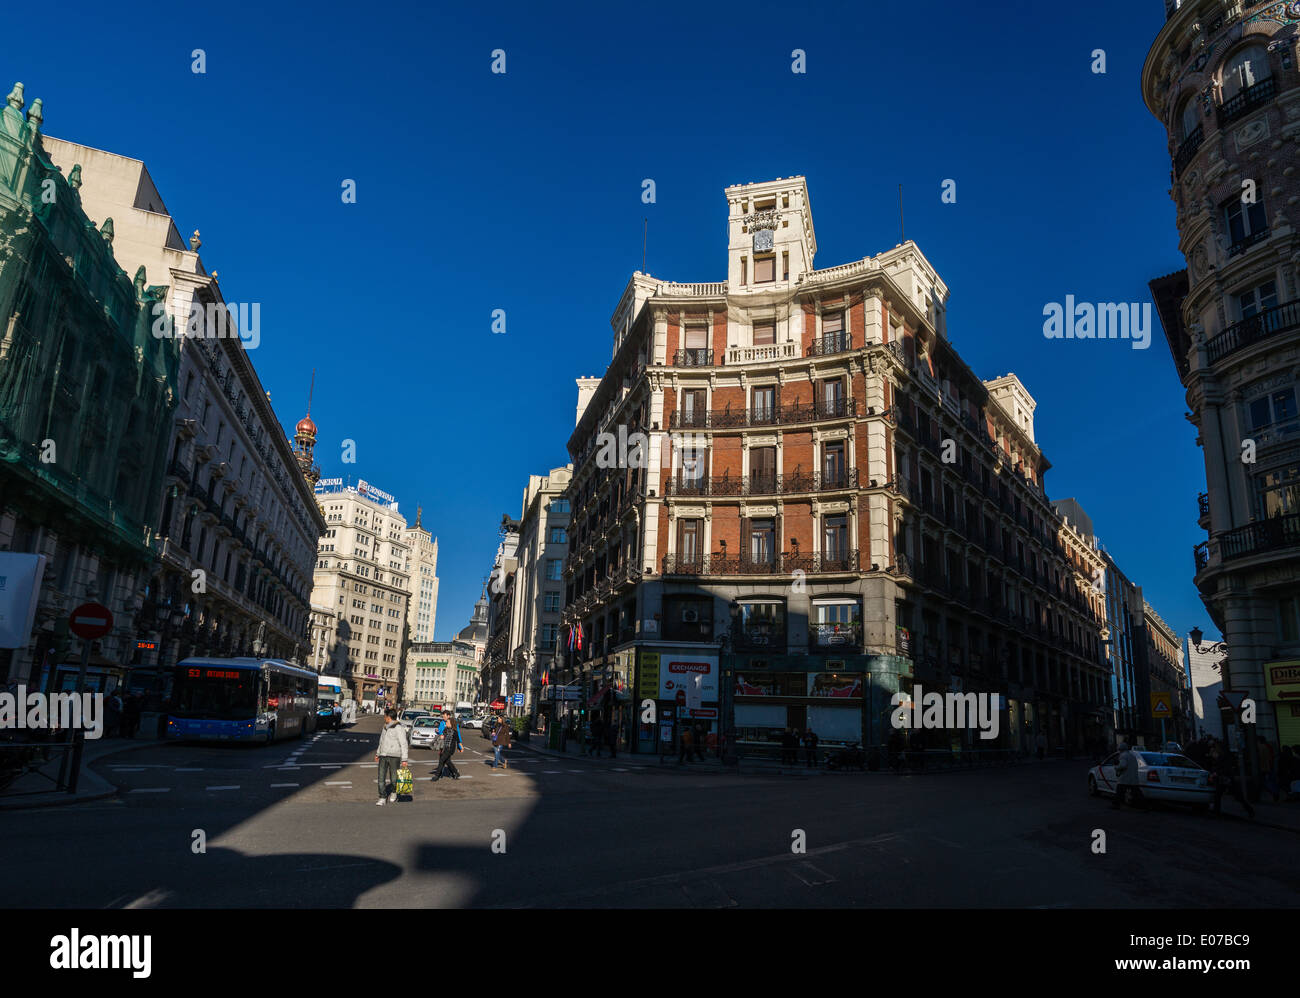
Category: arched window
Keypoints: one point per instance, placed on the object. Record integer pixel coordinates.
(1189, 117)
(1247, 67)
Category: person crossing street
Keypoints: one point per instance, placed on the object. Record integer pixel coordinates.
(451, 745)
(393, 749)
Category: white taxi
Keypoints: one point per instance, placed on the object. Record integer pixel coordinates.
(1166, 776)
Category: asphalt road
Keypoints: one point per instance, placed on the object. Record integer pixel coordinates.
(295, 825)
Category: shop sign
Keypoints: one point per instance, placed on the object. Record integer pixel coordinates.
(1282, 680)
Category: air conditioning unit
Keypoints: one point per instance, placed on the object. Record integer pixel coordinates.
(690, 616)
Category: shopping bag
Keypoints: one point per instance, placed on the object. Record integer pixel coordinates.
(405, 782)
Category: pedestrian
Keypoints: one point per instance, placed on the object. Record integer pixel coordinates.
(611, 736)
(1267, 770)
(1287, 771)
(131, 716)
(697, 742)
(502, 743)
(597, 735)
(810, 747)
(1126, 778)
(1225, 781)
(687, 740)
(393, 749)
(451, 745)
(1041, 742)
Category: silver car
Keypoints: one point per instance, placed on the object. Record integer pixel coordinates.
(424, 732)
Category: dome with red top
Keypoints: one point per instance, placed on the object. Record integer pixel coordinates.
(306, 427)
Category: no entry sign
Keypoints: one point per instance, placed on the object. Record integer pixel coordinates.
(90, 621)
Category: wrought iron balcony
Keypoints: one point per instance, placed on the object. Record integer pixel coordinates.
(1188, 149)
(1269, 322)
(695, 357)
(835, 637)
(1246, 242)
(1271, 534)
(724, 486)
(784, 563)
(1203, 504)
(1247, 100)
(795, 412)
(832, 343)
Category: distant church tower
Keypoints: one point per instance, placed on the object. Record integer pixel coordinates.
(304, 439)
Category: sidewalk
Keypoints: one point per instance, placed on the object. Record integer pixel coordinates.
(537, 743)
(90, 786)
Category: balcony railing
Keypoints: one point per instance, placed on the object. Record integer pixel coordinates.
(1203, 504)
(763, 485)
(784, 563)
(1188, 149)
(1246, 101)
(695, 357)
(1278, 319)
(1257, 538)
(769, 351)
(797, 412)
(1246, 242)
(835, 636)
(832, 343)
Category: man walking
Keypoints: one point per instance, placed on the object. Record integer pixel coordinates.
(1224, 767)
(393, 749)
(810, 747)
(1126, 773)
(451, 745)
(1041, 742)
(687, 741)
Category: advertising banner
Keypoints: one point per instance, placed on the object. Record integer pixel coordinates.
(20, 587)
(697, 675)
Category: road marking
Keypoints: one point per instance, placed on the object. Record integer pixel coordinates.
(810, 875)
(232, 786)
(127, 769)
(327, 766)
(552, 772)
(151, 790)
(369, 765)
(583, 771)
(274, 785)
(617, 770)
(338, 783)
(185, 770)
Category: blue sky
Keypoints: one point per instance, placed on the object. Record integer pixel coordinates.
(522, 191)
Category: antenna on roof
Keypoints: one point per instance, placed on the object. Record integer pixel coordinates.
(902, 232)
(645, 235)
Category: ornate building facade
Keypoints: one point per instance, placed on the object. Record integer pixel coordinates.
(84, 386)
(829, 506)
(1222, 78)
(237, 534)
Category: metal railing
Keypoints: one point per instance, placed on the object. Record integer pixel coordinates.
(695, 357)
(763, 485)
(1188, 149)
(784, 563)
(831, 343)
(1269, 322)
(1247, 100)
(20, 760)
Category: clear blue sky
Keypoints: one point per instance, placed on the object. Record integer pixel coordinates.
(479, 191)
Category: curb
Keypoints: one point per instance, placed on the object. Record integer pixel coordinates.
(58, 798)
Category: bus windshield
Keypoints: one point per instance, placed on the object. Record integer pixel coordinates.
(221, 694)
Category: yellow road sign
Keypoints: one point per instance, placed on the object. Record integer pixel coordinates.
(1161, 705)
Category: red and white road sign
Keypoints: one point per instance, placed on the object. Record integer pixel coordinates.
(90, 621)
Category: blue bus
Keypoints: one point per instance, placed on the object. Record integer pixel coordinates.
(241, 699)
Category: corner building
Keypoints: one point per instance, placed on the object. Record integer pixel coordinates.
(1223, 78)
(829, 506)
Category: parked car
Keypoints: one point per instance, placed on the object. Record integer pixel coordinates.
(472, 722)
(1161, 776)
(425, 731)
